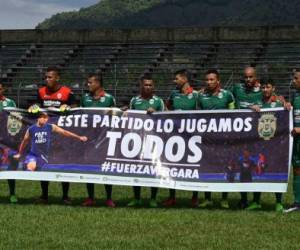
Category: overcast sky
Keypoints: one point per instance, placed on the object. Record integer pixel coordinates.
(26, 14)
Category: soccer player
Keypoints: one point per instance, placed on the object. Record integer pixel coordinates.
(248, 95)
(270, 100)
(8, 103)
(211, 98)
(151, 103)
(57, 96)
(296, 147)
(97, 97)
(183, 98)
(39, 135)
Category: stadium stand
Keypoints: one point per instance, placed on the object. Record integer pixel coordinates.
(22, 63)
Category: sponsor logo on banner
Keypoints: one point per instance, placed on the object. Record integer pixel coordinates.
(14, 123)
(267, 125)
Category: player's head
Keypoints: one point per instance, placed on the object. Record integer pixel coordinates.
(147, 85)
(268, 87)
(296, 79)
(181, 77)
(42, 118)
(250, 76)
(52, 77)
(246, 154)
(1, 89)
(212, 79)
(94, 82)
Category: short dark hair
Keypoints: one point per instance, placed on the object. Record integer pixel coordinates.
(213, 71)
(265, 81)
(97, 76)
(183, 72)
(146, 76)
(54, 69)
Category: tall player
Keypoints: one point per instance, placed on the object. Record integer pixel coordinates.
(8, 103)
(97, 97)
(296, 147)
(211, 98)
(57, 96)
(151, 103)
(183, 98)
(248, 95)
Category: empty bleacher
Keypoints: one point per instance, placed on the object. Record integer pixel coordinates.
(22, 66)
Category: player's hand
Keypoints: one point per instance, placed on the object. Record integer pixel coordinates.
(34, 109)
(150, 111)
(17, 156)
(64, 108)
(83, 138)
(287, 106)
(124, 108)
(255, 108)
(295, 131)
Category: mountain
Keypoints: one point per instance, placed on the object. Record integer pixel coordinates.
(177, 13)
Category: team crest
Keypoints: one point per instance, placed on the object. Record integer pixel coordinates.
(14, 123)
(267, 125)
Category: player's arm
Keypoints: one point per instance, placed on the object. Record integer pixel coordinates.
(69, 134)
(23, 145)
(285, 104)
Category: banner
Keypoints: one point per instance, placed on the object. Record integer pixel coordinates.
(189, 150)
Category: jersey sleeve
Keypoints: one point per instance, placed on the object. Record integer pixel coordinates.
(113, 102)
(231, 101)
(161, 105)
(72, 99)
(131, 104)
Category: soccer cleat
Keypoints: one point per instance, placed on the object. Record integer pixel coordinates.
(135, 203)
(224, 204)
(194, 202)
(13, 199)
(169, 202)
(42, 200)
(153, 203)
(67, 201)
(279, 207)
(293, 208)
(206, 204)
(110, 203)
(253, 206)
(89, 202)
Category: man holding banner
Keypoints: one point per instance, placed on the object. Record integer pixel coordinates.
(211, 98)
(8, 103)
(183, 98)
(151, 103)
(248, 95)
(97, 97)
(54, 95)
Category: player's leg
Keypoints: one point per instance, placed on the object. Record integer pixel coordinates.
(224, 202)
(171, 201)
(65, 190)
(109, 202)
(90, 201)
(153, 202)
(255, 204)
(137, 197)
(195, 201)
(207, 201)
(278, 206)
(13, 165)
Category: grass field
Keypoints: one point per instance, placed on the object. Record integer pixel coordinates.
(55, 226)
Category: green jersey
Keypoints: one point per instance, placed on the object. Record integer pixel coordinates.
(274, 102)
(140, 103)
(296, 108)
(245, 98)
(105, 101)
(7, 103)
(181, 101)
(224, 100)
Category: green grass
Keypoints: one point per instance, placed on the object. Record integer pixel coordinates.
(55, 226)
